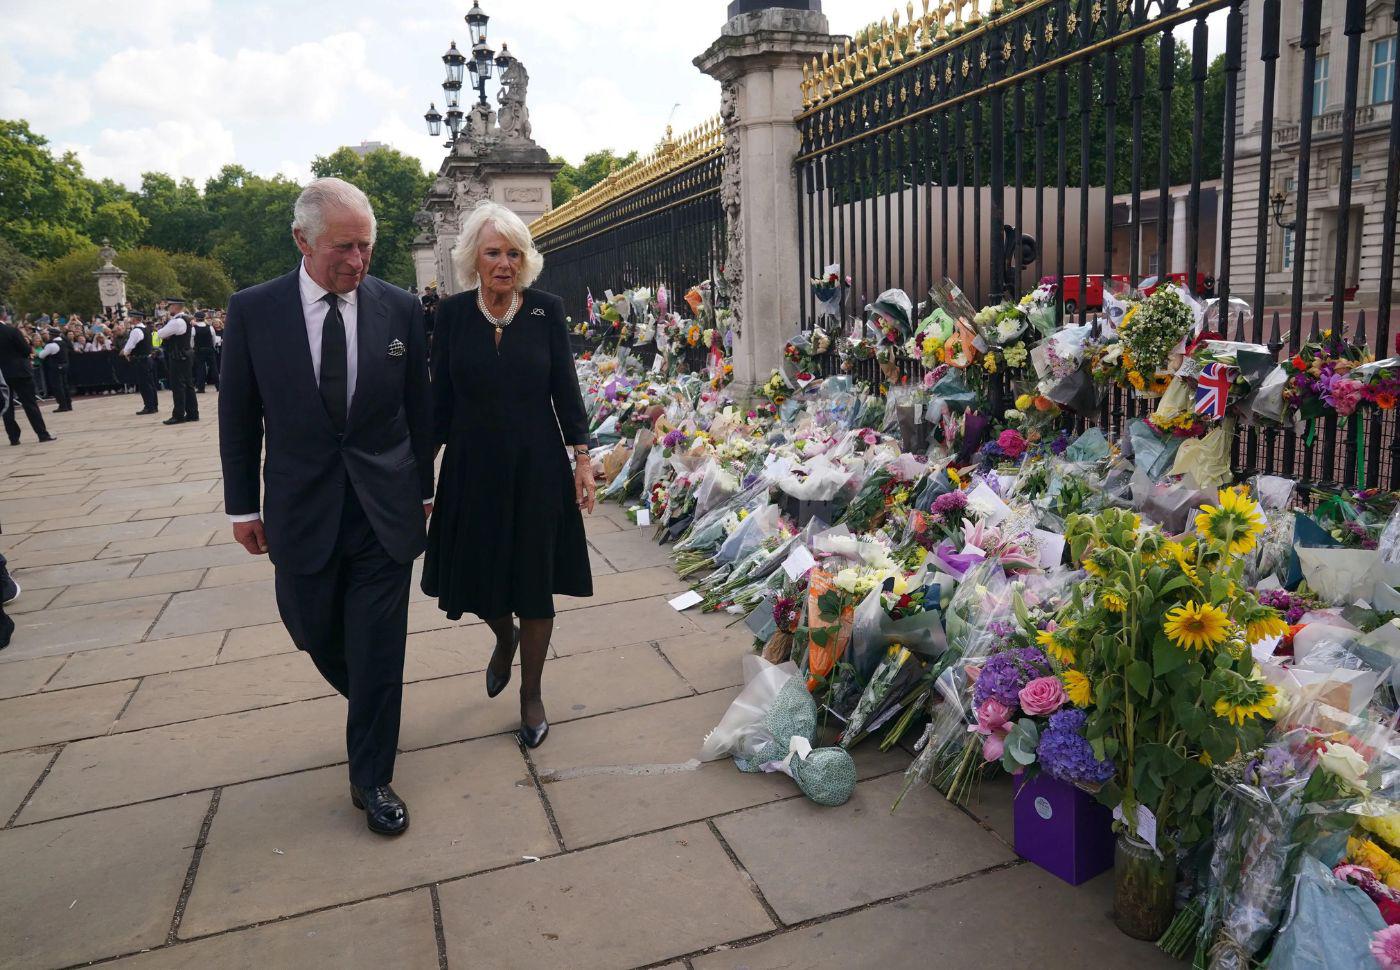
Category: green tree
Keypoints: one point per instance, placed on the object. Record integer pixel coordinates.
(14, 266)
(179, 216)
(66, 284)
(202, 279)
(44, 201)
(596, 166)
(395, 184)
(252, 218)
(118, 222)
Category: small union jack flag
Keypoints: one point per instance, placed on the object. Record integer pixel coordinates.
(591, 317)
(1213, 389)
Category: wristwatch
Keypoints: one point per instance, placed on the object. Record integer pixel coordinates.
(581, 451)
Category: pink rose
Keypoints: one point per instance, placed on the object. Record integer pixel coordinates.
(1346, 395)
(869, 437)
(993, 717)
(993, 746)
(1011, 442)
(1042, 696)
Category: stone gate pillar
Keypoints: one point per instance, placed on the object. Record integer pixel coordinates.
(758, 61)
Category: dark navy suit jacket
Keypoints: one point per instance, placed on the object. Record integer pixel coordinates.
(268, 391)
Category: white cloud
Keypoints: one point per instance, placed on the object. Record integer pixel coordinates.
(185, 149)
(61, 28)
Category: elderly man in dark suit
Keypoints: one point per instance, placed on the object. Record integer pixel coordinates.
(330, 366)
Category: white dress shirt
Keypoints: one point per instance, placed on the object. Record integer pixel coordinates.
(49, 350)
(175, 328)
(314, 310)
(137, 334)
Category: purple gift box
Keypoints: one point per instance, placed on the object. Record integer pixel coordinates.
(1061, 828)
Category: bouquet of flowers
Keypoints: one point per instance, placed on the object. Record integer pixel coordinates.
(1322, 380)
(1148, 336)
(830, 291)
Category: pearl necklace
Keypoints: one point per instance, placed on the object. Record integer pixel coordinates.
(500, 323)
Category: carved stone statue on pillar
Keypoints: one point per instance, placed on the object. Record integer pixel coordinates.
(111, 282)
(514, 115)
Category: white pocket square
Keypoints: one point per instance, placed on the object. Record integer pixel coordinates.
(396, 348)
(537, 312)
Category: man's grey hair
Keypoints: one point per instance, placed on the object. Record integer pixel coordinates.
(309, 212)
(511, 227)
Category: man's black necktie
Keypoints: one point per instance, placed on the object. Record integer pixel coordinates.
(334, 376)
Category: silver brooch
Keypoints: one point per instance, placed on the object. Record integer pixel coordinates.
(396, 348)
(537, 312)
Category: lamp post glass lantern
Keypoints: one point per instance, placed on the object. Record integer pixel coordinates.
(473, 71)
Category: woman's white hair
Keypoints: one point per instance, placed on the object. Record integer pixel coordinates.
(514, 231)
(309, 212)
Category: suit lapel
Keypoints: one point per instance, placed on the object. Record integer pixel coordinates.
(371, 326)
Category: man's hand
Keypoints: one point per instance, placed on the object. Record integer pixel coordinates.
(250, 536)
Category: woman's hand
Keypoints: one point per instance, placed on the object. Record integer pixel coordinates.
(584, 487)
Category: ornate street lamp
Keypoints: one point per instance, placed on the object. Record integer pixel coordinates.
(476, 22)
(1278, 199)
(434, 120)
(473, 71)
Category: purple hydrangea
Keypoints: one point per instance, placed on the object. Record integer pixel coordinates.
(1066, 756)
(1060, 444)
(673, 438)
(1005, 673)
(948, 503)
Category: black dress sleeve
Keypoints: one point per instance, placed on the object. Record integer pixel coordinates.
(443, 403)
(563, 379)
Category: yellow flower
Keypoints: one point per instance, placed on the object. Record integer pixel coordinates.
(1135, 379)
(1269, 624)
(1183, 557)
(1386, 826)
(1024, 402)
(1053, 648)
(1239, 711)
(1237, 522)
(954, 477)
(1196, 627)
(1364, 852)
(1077, 687)
(989, 364)
(1114, 602)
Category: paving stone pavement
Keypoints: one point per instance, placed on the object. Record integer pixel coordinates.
(172, 778)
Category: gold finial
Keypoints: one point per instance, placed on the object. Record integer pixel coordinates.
(896, 41)
(806, 86)
(943, 11)
(884, 36)
(859, 56)
(958, 25)
(975, 18)
(995, 10)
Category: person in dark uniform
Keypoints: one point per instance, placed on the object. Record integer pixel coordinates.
(507, 530)
(14, 365)
(178, 348)
(55, 363)
(430, 300)
(138, 351)
(205, 370)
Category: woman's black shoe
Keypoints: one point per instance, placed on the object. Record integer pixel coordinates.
(534, 736)
(494, 684)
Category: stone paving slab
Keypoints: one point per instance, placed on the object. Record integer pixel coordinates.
(186, 695)
(197, 557)
(56, 557)
(1009, 918)
(141, 765)
(144, 547)
(618, 624)
(632, 549)
(155, 496)
(52, 631)
(624, 587)
(892, 854)
(137, 660)
(40, 541)
(95, 886)
(246, 642)
(455, 708)
(83, 712)
(111, 592)
(103, 517)
(19, 770)
(711, 660)
(472, 807)
(621, 905)
(447, 653)
(222, 608)
(107, 571)
(32, 601)
(394, 932)
(254, 570)
(27, 676)
(195, 522)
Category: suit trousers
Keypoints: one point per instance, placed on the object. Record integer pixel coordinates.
(206, 370)
(352, 618)
(146, 382)
(57, 375)
(22, 393)
(182, 386)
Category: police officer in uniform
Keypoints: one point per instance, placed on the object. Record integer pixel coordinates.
(55, 363)
(205, 340)
(175, 341)
(138, 351)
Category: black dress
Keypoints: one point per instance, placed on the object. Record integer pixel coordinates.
(506, 532)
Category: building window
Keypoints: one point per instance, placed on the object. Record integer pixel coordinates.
(1382, 70)
(1152, 263)
(1320, 74)
(1288, 249)
(1355, 174)
(1288, 185)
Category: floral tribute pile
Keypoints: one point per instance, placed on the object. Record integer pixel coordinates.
(1209, 659)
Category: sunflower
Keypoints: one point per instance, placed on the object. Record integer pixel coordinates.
(1183, 557)
(1077, 687)
(1196, 627)
(1135, 379)
(1114, 602)
(1237, 521)
(1265, 623)
(1053, 647)
(1246, 697)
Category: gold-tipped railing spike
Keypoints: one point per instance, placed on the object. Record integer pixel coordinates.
(858, 56)
(975, 17)
(995, 10)
(925, 28)
(884, 61)
(806, 86)
(942, 33)
(958, 25)
(911, 36)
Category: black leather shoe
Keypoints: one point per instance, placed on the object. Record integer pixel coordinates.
(195, 418)
(7, 629)
(147, 411)
(9, 588)
(47, 438)
(385, 812)
(174, 421)
(494, 684)
(534, 736)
